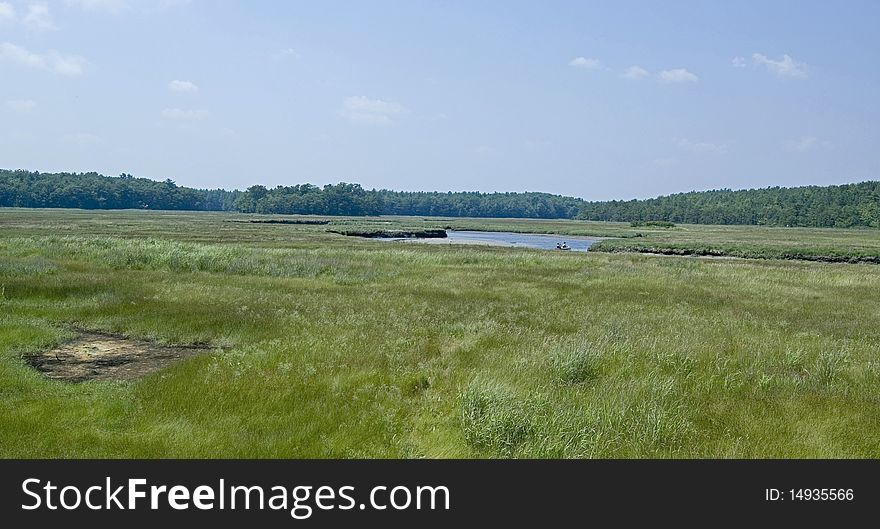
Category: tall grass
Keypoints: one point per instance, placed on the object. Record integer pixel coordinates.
(331, 346)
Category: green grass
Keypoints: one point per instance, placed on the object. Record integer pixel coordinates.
(750, 242)
(335, 346)
(755, 242)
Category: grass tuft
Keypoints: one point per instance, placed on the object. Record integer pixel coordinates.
(493, 418)
(574, 362)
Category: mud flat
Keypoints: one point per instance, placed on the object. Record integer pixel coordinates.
(101, 356)
(373, 233)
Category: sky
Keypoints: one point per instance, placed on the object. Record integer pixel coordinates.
(601, 100)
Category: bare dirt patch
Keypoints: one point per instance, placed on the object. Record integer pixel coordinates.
(100, 356)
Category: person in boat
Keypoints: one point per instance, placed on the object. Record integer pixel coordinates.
(558, 246)
(564, 246)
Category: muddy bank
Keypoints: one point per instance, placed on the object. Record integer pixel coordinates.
(101, 356)
(380, 233)
(818, 255)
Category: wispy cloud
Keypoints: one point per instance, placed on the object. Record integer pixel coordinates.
(7, 12)
(676, 75)
(38, 18)
(183, 86)
(374, 111)
(21, 105)
(113, 6)
(51, 61)
(485, 150)
(785, 67)
(738, 62)
(180, 114)
(807, 143)
(289, 53)
(117, 6)
(585, 64)
(701, 146)
(635, 73)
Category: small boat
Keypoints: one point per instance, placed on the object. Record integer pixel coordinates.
(563, 246)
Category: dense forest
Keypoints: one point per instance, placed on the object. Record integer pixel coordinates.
(840, 206)
(832, 206)
(94, 191)
(352, 199)
(28, 189)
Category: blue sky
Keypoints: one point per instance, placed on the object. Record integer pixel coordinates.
(594, 99)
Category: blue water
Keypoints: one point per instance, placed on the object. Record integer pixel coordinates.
(524, 240)
(506, 238)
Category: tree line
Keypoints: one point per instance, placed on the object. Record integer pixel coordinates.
(847, 205)
(94, 191)
(27, 189)
(352, 199)
(839, 206)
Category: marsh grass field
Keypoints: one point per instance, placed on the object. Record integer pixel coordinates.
(323, 345)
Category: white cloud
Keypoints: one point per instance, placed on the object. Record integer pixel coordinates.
(286, 54)
(183, 86)
(179, 114)
(38, 18)
(785, 67)
(375, 111)
(21, 105)
(585, 63)
(117, 6)
(635, 73)
(98, 5)
(701, 146)
(807, 143)
(738, 62)
(51, 61)
(7, 12)
(677, 75)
